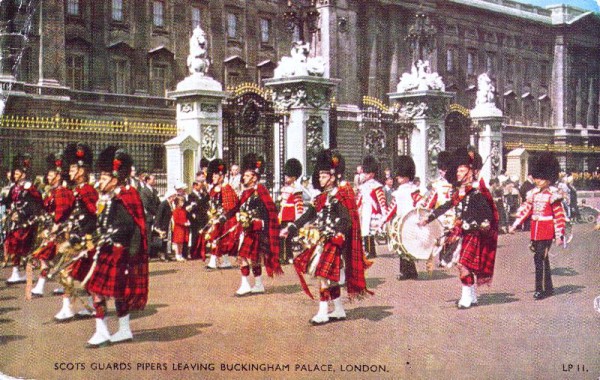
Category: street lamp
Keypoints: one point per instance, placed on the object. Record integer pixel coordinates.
(303, 15)
(421, 36)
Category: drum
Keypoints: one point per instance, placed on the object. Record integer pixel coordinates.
(419, 243)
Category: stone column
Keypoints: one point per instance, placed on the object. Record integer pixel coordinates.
(427, 109)
(52, 59)
(307, 100)
(199, 117)
(487, 123)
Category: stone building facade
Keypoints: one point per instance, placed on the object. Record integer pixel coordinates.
(114, 60)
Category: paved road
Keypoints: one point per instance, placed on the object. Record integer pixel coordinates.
(193, 327)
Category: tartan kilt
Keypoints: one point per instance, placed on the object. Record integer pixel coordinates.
(329, 262)
(19, 242)
(228, 245)
(45, 252)
(136, 293)
(250, 247)
(109, 278)
(80, 268)
(470, 253)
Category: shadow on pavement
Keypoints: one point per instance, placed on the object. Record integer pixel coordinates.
(285, 289)
(4, 339)
(568, 289)
(148, 311)
(4, 310)
(373, 283)
(564, 272)
(496, 298)
(169, 333)
(5, 320)
(372, 313)
(7, 298)
(384, 256)
(435, 275)
(163, 272)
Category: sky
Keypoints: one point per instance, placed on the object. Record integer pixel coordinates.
(590, 5)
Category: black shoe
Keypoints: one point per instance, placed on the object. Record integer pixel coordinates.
(541, 295)
(402, 277)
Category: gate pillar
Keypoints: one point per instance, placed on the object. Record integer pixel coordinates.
(426, 109)
(307, 100)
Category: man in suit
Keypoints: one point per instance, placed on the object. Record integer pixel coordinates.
(151, 201)
(162, 223)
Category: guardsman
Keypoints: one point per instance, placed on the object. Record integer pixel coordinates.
(58, 204)
(291, 205)
(371, 205)
(339, 247)
(24, 204)
(543, 204)
(120, 268)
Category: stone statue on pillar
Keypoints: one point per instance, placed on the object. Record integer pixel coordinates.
(299, 63)
(197, 61)
(420, 78)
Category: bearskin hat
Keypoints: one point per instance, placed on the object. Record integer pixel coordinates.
(292, 168)
(330, 161)
(116, 161)
(443, 160)
(54, 162)
(78, 154)
(545, 166)
(370, 164)
(215, 166)
(252, 162)
(405, 167)
(462, 156)
(204, 163)
(22, 162)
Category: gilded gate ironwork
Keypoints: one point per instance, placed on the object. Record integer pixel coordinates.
(248, 121)
(44, 135)
(386, 133)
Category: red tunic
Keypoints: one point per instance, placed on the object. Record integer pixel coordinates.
(226, 197)
(546, 212)
(59, 203)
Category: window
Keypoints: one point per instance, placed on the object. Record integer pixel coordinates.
(450, 60)
(196, 19)
(73, 7)
(510, 68)
(232, 26)
(265, 31)
(76, 72)
(158, 12)
(117, 10)
(544, 74)
(158, 80)
(527, 72)
(470, 63)
(121, 76)
(490, 63)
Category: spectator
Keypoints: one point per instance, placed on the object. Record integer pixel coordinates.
(151, 202)
(181, 227)
(359, 177)
(162, 224)
(388, 189)
(235, 178)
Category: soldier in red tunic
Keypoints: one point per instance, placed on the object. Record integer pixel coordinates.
(291, 205)
(58, 204)
(339, 247)
(221, 234)
(257, 217)
(544, 205)
(24, 204)
(120, 269)
(78, 157)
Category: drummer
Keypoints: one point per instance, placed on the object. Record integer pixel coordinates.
(404, 199)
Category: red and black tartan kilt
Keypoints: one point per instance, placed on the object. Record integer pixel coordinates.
(470, 252)
(109, 278)
(228, 244)
(136, 292)
(19, 242)
(250, 248)
(45, 252)
(329, 262)
(80, 268)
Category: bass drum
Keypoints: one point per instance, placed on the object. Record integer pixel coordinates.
(420, 243)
